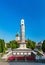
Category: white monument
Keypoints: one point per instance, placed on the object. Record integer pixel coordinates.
(22, 31)
(22, 50)
(22, 35)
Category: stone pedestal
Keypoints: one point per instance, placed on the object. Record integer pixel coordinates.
(22, 46)
(22, 52)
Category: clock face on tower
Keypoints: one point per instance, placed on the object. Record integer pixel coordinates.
(22, 21)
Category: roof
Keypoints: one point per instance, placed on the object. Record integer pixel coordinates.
(17, 34)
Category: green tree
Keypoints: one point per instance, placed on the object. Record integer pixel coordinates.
(2, 46)
(31, 44)
(43, 46)
(28, 45)
(8, 45)
(14, 44)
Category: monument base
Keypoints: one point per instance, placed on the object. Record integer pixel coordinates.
(21, 52)
(22, 46)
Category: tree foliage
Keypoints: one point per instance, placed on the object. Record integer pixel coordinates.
(14, 44)
(43, 46)
(8, 45)
(2, 46)
(31, 44)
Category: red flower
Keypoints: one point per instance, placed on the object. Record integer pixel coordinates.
(11, 58)
(30, 58)
(20, 58)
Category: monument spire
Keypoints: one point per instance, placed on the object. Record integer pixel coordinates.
(22, 31)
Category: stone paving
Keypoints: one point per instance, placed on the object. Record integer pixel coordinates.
(4, 63)
(20, 63)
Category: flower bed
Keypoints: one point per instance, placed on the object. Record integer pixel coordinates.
(20, 58)
(30, 58)
(11, 58)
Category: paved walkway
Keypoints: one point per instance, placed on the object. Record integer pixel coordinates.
(4, 63)
(20, 63)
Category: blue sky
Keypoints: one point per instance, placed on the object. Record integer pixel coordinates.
(12, 11)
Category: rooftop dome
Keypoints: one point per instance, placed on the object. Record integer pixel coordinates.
(17, 35)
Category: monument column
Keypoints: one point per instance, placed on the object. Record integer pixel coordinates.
(22, 31)
(22, 35)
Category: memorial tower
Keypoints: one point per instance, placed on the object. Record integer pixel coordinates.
(22, 31)
(22, 35)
